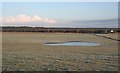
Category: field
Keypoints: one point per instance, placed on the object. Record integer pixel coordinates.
(111, 35)
(25, 51)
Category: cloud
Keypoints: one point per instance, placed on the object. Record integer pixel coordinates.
(108, 23)
(114, 20)
(49, 20)
(26, 19)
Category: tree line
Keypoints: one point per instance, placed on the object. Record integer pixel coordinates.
(61, 30)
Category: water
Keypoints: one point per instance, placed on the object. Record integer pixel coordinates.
(72, 44)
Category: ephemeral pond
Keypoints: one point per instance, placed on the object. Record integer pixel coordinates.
(72, 43)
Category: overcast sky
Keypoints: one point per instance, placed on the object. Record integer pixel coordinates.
(60, 14)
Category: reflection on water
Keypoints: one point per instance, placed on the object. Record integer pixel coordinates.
(75, 43)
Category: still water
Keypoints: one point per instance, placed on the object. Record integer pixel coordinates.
(73, 43)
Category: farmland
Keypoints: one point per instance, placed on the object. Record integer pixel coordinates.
(25, 51)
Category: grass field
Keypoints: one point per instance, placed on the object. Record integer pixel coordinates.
(25, 51)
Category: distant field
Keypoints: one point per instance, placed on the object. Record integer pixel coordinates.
(25, 51)
(111, 35)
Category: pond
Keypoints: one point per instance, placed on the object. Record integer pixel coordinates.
(72, 43)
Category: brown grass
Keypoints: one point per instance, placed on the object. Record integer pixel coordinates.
(25, 51)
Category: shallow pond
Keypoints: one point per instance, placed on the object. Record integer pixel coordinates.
(72, 43)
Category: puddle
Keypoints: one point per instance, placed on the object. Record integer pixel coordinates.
(72, 43)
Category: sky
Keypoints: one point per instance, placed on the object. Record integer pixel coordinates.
(60, 14)
(60, 0)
